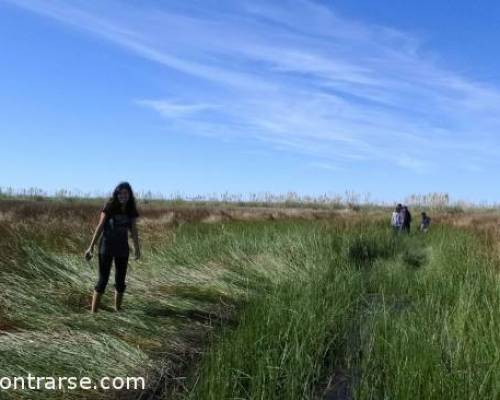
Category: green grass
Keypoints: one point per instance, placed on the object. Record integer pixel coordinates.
(444, 342)
(397, 317)
(258, 310)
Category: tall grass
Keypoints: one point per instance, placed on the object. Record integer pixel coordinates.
(388, 317)
(192, 279)
(435, 331)
(255, 310)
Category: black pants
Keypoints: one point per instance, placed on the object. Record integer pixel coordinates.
(105, 262)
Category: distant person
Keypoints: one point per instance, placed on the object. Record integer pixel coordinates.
(396, 221)
(425, 223)
(117, 218)
(406, 219)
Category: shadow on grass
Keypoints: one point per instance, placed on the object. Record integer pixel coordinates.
(170, 378)
(204, 317)
(416, 257)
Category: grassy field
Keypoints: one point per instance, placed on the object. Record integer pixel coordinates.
(318, 306)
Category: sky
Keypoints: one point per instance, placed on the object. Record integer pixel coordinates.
(383, 97)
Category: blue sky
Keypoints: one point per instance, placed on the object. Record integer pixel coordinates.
(207, 96)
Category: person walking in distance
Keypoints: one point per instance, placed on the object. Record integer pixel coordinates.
(117, 218)
(396, 218)
(406, 223)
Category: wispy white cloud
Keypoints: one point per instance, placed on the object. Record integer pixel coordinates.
(300, 77)
(171, 109)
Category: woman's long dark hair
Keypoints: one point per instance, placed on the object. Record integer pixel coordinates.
(114, 204)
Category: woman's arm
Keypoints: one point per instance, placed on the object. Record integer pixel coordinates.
(97, 233)
(135, 238)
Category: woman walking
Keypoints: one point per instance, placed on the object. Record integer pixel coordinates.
(117, 218)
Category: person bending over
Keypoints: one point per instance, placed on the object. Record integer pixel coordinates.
(425, 223)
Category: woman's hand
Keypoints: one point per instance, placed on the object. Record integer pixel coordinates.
(88, 253)
(97, 233)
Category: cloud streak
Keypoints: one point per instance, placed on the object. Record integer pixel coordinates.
(170, 109)
(298, 77)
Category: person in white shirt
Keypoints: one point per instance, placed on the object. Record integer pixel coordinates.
(396, 221)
